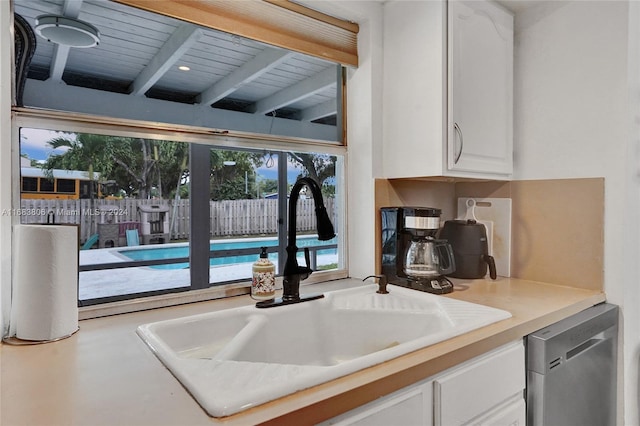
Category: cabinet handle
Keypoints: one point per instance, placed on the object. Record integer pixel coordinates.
(459, 132)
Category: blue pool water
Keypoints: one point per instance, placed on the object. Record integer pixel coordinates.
(162, 252)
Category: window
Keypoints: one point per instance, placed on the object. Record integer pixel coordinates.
(175, 164)
(138, 234)
(46, 185)
(246, 208)
(67, 186)
(29, 184)
(85, 189)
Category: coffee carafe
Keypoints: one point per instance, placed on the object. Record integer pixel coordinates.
(425, 258)
(411, 255)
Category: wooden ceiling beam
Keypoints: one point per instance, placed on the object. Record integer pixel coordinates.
(52, 96)
(322, 110)
(301, 90)
(70, 9)
(182, 39)
(262, 63)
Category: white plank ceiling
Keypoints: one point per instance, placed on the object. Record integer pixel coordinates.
(138, 57)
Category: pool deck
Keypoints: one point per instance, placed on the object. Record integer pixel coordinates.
(114, 282)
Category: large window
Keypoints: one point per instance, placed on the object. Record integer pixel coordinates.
(247, 210)
(173, 146)
(139, 233)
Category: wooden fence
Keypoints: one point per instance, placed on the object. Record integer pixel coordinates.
(227, 218)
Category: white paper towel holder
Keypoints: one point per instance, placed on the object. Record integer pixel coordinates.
(31, 333)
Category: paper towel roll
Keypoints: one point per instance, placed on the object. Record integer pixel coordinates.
(44, 305)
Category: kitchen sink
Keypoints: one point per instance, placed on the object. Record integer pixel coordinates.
(237, 358)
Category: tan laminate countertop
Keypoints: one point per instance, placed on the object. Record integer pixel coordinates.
(105, 375)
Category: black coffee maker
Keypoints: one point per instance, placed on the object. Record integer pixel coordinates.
(411, 255)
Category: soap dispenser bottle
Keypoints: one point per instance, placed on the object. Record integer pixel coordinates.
(263, 285)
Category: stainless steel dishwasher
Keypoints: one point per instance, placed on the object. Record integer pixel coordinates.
(571, 370)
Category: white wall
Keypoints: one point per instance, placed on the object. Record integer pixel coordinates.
(631, 229)
(5, 162)
(573, 118)
(364, 132)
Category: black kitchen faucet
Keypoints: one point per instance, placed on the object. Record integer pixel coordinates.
(294, 273)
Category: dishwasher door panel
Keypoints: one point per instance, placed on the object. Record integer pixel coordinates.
(571, 370)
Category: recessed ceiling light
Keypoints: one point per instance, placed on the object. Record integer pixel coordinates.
(184, 68)
(67, 31)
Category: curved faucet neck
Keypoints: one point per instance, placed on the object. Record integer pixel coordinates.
(293, 203)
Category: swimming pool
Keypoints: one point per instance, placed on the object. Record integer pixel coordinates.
(164, 252)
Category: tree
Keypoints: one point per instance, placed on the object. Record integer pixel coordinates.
(136, 165)
(269, 186)
(89, 152)
(173, 163)
(233, 174)
(320, 167)
(134, 157)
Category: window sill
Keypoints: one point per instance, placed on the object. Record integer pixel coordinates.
(180, 298)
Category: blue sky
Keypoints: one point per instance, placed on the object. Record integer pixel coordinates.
(33, 142)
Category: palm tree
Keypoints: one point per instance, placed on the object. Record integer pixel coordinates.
(131, 162)
(89, 152)
(84, 152)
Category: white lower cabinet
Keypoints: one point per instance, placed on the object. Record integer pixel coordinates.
(409, 406)
(473, 388)
(487, 390)
(511, 413)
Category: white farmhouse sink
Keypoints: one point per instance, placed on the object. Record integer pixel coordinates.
(238, 358)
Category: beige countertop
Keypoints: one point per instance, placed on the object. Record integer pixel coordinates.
(105, 374)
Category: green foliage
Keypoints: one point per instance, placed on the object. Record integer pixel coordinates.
(321, 167)
(85, 152)
(268, 186)
(138, 166)
(146, 168)
(235, 180)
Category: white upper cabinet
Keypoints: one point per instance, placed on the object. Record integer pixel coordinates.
(480, 109)
(447, 90)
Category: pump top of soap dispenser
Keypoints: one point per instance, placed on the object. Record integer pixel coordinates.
(264, 258)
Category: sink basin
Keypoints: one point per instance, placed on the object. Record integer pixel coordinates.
(237, 358)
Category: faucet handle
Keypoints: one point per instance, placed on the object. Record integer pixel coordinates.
(382, 283)
(307, 258)
(305, 271)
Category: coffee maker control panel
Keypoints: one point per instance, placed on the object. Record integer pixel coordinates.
(422, 222)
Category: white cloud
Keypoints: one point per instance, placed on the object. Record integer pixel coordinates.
(38, 138)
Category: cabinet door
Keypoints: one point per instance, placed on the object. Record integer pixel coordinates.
(414, 90)
(511, 413)
(480, 133)
(473, 389)
(407, 407)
